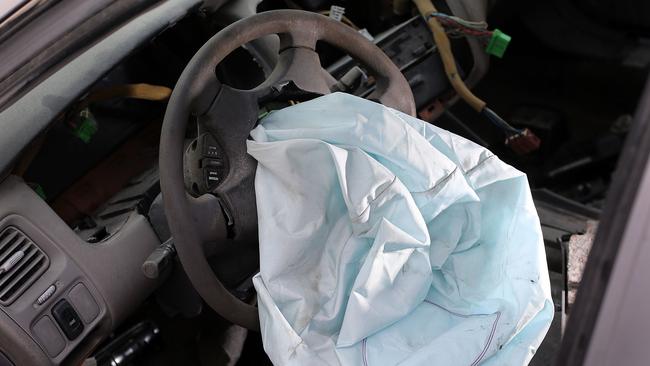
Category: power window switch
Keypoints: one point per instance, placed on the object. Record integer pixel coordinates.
(68, 319)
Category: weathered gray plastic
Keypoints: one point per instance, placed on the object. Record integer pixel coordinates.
(109, 271)
(84, 303)
(48, 335)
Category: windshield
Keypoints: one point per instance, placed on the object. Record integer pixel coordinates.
(7, 7)
(13, 10)
(36, 36)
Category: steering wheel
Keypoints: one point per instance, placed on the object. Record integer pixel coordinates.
(226, 215)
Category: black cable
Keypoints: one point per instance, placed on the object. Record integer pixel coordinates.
(499, 122)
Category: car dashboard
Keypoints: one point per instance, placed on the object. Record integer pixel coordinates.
(81, 210)
(67, 282)
(71, 293)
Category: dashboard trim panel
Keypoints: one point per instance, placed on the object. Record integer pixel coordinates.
(110, 272)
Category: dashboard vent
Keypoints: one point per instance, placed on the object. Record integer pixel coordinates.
(21, 263)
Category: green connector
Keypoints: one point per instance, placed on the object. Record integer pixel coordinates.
(262, 113)
(498, 43)
(86, 126)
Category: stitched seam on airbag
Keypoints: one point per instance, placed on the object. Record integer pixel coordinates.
(440, 183)
(376, 198)
(471, 170)
(479, 357)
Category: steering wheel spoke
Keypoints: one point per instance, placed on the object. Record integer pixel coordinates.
(232, 113)
(302, 34)
(208, 218)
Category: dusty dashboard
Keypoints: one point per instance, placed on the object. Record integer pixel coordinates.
(80, 213)
(70, 268)
(57, 289)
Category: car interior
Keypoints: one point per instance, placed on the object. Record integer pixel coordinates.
(139, 143)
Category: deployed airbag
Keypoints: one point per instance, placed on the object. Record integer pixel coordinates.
(385, 240)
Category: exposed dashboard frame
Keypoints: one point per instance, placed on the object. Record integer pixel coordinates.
(22, 121)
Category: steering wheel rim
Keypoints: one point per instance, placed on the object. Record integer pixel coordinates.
(193, 221)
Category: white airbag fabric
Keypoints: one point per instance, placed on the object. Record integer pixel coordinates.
(385, 240)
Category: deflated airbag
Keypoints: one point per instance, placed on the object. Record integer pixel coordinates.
(385, 240)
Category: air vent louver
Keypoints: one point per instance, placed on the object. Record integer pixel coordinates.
(21, 263)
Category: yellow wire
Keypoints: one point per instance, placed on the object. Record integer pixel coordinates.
(135, 91)
(425, 7)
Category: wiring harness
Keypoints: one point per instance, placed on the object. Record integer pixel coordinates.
(520, 141)
(458, 27)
